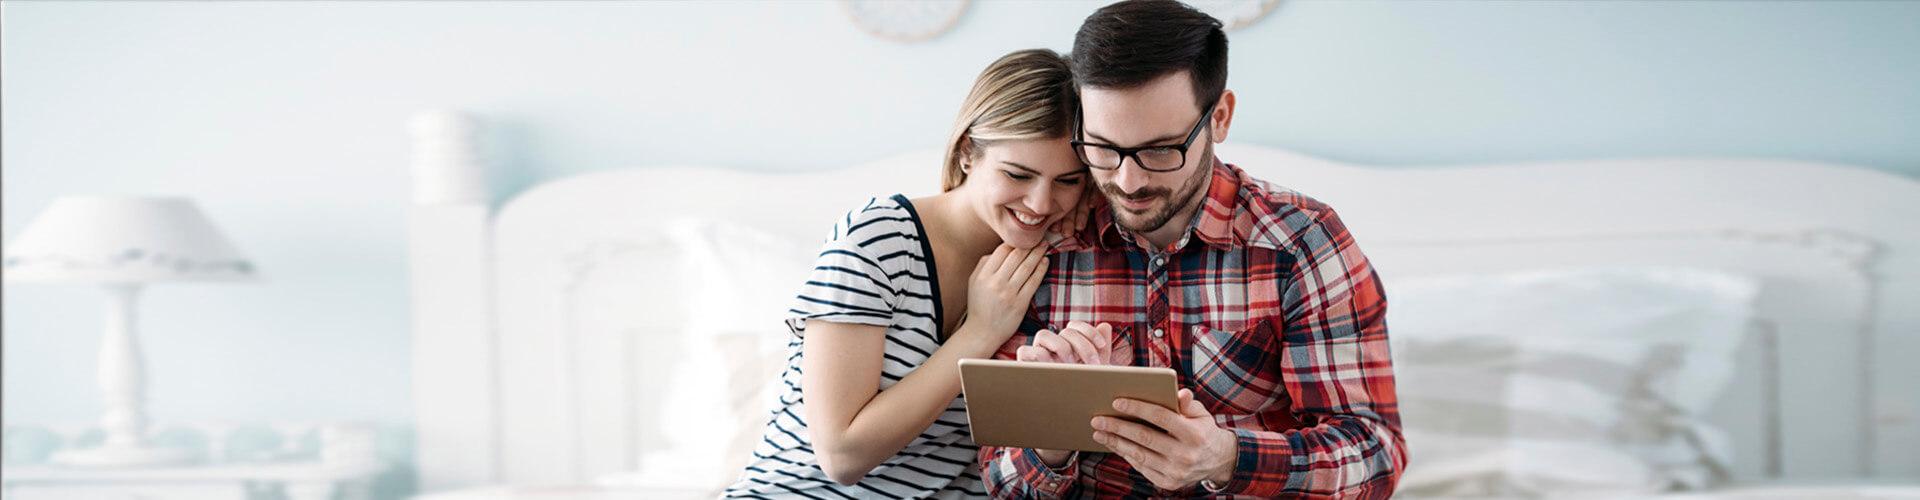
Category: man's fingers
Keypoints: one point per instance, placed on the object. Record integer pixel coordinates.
(1191, 407)
(1154, 414)
(1141, 457)
(1148, 437)
(1083, 347)
(1055, 345)
(1195, 409)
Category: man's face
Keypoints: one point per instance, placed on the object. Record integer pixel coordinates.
(1161, 112)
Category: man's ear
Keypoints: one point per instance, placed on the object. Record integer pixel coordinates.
(1222, 116)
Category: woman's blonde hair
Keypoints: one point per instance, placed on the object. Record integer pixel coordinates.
(1024, 95)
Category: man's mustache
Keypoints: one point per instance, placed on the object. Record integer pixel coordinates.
(1143, 193)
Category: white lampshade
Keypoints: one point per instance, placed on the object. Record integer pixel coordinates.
(123, 239)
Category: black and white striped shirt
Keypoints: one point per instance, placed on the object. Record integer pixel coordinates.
(875, 269)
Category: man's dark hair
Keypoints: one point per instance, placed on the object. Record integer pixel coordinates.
(1130, 43)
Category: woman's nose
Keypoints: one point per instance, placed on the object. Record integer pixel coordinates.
(1040, 200)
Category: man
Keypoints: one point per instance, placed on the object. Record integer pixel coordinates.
(1255, 295)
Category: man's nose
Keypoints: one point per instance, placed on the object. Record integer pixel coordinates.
(1129, 177)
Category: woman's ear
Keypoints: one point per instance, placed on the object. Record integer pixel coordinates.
(965, 150)
(1222, 116)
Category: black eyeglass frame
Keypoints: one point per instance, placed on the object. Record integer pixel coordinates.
(1079, 145)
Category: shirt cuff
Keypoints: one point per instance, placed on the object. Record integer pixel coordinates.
(1053, 481)
(1261, 468)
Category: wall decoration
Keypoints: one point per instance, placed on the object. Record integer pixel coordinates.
(905, 21)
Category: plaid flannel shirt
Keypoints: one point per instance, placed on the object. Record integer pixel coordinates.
(1267, 310)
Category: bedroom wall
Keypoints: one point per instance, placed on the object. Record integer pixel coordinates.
(287, 122)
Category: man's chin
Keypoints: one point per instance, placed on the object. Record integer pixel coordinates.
(1131, 220)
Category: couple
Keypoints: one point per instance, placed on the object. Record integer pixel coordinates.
(1085, 219)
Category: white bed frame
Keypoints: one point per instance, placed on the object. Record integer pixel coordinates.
(519, 381)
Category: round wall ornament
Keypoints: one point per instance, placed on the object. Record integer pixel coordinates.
(905, 21)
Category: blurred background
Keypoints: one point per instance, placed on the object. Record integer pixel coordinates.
(287, 123)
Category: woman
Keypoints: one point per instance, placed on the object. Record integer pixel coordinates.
(904, 289)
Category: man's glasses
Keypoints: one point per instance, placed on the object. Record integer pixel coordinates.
(1152, 158)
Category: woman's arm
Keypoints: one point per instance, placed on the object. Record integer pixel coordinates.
(855, 426)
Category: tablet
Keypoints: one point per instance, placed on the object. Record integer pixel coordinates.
(1051, 405)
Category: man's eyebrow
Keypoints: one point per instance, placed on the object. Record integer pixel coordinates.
(1157, 141)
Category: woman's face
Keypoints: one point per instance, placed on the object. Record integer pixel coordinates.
(1020, 188)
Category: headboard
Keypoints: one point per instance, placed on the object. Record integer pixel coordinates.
(519, 379)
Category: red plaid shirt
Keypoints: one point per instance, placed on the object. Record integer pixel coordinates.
(1267, 310)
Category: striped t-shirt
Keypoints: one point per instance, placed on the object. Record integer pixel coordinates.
(875, 269)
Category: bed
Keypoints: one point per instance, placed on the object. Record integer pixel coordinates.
(610, 334)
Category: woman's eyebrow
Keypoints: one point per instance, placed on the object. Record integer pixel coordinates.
(1039, 173)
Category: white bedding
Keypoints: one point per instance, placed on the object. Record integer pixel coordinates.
(548, 300)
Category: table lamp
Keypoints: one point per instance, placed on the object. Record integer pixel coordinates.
(121, 243)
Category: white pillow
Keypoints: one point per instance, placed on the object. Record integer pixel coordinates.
(738, 282)
(1572, 380)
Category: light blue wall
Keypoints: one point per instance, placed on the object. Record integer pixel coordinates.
(287, 122)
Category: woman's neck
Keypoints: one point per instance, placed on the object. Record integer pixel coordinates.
(961, 226)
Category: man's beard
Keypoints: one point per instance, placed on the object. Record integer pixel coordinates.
(1142, 223)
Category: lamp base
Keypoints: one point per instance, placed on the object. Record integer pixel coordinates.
(123, 456)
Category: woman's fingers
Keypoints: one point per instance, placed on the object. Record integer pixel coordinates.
(1010, 271)
(1028, 262)
(1080, 211)
(996, 260)
(1034, 278)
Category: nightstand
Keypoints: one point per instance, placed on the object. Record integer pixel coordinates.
(291, 481)
(271, 461)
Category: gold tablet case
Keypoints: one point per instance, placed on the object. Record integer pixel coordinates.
(1051, 405)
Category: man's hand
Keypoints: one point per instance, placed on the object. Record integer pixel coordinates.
(1192, 448)
(1078, 343)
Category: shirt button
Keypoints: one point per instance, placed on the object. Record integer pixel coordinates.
(1157, 333)
(1159, 261)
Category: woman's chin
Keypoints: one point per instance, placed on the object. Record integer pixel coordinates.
(1022, 238)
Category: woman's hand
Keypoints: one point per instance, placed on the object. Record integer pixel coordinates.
(1077, 216)
(1001, 287)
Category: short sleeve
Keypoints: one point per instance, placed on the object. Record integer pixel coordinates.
(847, 285)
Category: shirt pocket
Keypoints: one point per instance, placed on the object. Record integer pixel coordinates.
(1236, 372)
